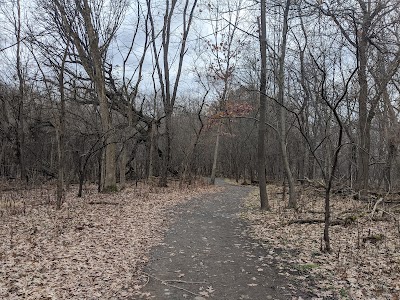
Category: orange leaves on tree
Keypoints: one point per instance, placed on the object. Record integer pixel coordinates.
(230, 110)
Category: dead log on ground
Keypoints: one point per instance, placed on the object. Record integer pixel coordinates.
(343, 222)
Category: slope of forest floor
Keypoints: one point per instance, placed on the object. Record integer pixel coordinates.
(93, 248)
(365, 262)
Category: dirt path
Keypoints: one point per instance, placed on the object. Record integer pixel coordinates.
(206, 254)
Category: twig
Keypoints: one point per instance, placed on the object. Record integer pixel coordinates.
(389, 214)
(165, 282)
(375, 206)
(336, 222)
(63, 257)
(395, 206)
(183, 281)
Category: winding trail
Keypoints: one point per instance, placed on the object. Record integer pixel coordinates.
(206, 254)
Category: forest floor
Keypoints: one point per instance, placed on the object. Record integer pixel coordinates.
(365, 239)
(200, 243)
(93, 248)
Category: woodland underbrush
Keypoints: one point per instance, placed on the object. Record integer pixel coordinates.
(365, 238)
(92, 248)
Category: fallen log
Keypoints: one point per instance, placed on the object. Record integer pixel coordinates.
(343, 222)
(306, 221)
(315, 183)
(102, 203)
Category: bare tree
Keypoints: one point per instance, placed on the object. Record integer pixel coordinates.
(85, 24)
(60, 130)
(329, 176)
(126, 95)
(225, 49)
(332, 94)
(281, 108)
(13, 14)
(162, 54)
(187, 163)
(360, 28)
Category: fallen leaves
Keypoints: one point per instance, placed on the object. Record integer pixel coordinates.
(252, 284)
(365, 262)
(206, 292)
(210, 289)
(93, 248)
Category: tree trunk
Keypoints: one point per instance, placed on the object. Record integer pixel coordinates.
(392, 150)
(61, 135)
(109, 181)
(151, 150)
(215, 160)
(282, 111)
(327, 220)
(122, 167)
(364, 129)
(167, 149)
(20, 135)
(2, 158)
(91, 54)
(391, 133)
(81, 181)
(263, 103)
(188, 162)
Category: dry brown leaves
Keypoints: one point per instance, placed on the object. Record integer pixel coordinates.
(365, 262)
(93, 248)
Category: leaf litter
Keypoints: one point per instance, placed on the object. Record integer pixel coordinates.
(365, 261)
(93, 248)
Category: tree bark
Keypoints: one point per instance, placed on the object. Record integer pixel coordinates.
(363, 126)
(151, 150)
(167, 149)
(61, 134)
(122, 167)
(391, 131)
(282, 111)
(20, 134)
(215, 160)
(91, 55)
(263, 104)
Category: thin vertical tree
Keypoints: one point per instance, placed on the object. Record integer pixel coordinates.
(61, 131)
(15, 18)
(282, 110)
(224, 49)
(263, 104)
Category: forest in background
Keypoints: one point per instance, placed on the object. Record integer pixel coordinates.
(103, 91)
